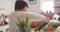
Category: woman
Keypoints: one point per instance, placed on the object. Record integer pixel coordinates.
(21, 12)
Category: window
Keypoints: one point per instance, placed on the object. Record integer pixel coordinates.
(47, 6)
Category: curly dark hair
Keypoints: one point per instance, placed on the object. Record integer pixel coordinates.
(20, 5)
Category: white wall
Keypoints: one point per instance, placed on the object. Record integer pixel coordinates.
(4, 6)
(35, 7)
(8, 6)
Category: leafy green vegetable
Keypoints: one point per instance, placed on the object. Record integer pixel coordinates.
(54, 24)
(45, 27)
(23, 24)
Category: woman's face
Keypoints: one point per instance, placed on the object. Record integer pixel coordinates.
(25, 9)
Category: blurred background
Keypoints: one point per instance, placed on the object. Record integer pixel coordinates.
(49, 8)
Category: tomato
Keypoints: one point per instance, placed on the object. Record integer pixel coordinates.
(34, 24)
(50, 28)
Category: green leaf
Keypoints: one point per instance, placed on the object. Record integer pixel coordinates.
(23, 24)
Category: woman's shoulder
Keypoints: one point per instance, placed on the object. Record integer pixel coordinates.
(12, 13)
(33, 13)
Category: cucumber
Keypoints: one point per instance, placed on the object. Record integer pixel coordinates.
(45, 27)
(41, 25)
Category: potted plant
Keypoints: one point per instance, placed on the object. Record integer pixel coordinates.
(24, 25)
